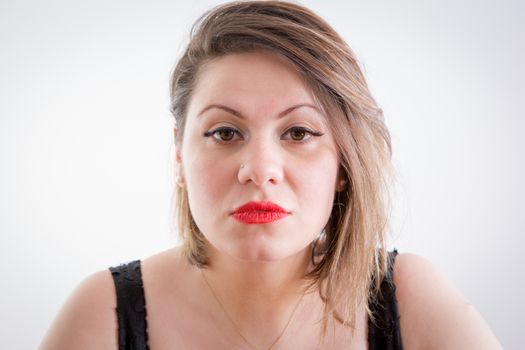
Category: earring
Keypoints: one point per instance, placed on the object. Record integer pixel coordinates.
(318, 248)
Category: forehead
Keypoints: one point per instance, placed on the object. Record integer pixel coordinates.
(255, 82)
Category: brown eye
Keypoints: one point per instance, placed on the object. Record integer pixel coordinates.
(223, 134)
(300, 134)
(297, 134)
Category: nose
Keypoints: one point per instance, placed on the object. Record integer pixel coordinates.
(261, 163)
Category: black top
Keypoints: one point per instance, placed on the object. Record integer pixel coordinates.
(383, 332)
(131, 306)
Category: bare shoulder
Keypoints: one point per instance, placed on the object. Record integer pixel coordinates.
(433, 313)
(87, 320)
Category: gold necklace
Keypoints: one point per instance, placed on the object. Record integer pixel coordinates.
(235, 325)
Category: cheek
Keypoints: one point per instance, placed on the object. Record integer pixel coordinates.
(207, 183)
(316, 180)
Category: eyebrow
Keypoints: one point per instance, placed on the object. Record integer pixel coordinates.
(241, 116)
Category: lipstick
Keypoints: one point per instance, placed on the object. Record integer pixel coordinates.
(259, 213)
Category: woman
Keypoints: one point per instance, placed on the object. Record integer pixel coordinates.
(283, 162)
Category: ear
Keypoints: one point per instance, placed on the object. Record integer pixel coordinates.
(178, 162)
(341, 180)
(341, 185)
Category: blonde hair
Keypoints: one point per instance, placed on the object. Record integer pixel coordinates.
(354, 249)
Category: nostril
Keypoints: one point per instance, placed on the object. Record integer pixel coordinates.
(260, 168)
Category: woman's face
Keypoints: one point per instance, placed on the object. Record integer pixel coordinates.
(254, 134)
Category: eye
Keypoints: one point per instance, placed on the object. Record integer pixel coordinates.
(301, 134)
(223, 134)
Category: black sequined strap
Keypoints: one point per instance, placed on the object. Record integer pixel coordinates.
(383, 330)
(131, 306)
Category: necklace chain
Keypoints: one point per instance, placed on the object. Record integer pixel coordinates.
(235, 325)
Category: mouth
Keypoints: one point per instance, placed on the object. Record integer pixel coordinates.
(259, 213)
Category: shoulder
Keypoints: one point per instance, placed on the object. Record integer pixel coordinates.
(433, 313)
(87, 320)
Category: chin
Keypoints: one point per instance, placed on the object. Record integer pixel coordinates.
(259, 256)
(265, 252)
(259, 246)
(255, 252)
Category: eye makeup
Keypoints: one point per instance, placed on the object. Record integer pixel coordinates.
(297, 134)
(302, 131)
(223, 134)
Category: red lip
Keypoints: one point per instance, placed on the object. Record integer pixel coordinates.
(259, 213)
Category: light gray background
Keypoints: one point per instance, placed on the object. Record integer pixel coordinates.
(86, 141)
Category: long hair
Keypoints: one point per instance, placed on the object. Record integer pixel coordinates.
(354, 249)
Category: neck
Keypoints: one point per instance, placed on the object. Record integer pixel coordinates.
(258, 278)
(257, 293)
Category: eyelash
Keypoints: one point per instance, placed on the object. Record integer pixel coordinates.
(311, 133)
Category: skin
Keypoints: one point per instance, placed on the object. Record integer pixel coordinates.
(256, 269)
(281, 162)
